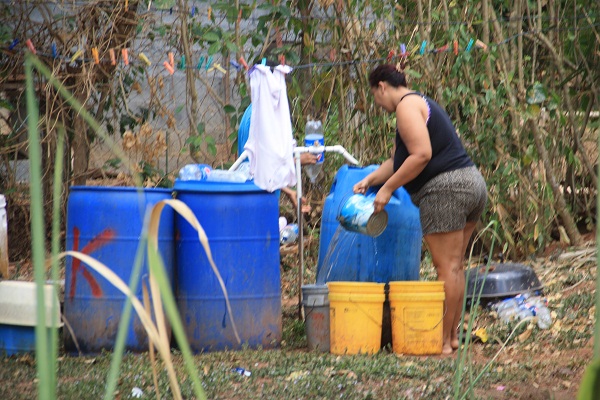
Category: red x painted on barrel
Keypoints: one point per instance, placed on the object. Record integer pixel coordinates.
(97, 242)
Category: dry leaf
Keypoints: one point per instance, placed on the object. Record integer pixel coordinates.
(526, 334)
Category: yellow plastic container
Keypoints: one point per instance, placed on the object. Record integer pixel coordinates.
(355, 316)
(417, 313)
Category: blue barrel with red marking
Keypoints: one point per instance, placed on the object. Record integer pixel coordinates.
(106, 223)
(241, 222)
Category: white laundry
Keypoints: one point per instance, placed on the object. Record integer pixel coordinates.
(270, 142)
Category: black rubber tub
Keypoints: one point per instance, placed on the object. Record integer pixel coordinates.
(501, 280)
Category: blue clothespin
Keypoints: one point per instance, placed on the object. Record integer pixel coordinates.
(402, 49)
(208, 62)
(264, 61)
(235, 65)
(171, 11)
(468, 49)
(423, 46)
(54, 52)
(200, 62)
(193, 10)
(13, 44)
(182, 63)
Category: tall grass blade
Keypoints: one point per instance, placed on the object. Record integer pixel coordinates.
(117, 357)
(146, 298)
(43, 362)
(590, 383)
(57, 192)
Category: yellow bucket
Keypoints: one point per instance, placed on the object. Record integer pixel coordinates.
(417, 313)
(355, 316)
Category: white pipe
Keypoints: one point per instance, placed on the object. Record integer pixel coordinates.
(240, 160)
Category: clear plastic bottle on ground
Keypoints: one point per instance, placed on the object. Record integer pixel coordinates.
(289, 234)
(314, 137)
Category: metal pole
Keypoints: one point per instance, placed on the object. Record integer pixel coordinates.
(300, 233)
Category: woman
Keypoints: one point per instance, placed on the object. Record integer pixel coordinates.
(431, 163)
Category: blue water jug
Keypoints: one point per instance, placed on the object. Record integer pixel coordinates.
(395, 255)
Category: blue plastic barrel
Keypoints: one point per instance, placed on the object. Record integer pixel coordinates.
(106, 223)
(241, 223)
(395, 255)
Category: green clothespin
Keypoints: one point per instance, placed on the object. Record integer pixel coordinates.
(200, 62)
(182, 63)
(208, 62)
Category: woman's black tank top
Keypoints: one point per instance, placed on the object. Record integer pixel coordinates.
(447, 151)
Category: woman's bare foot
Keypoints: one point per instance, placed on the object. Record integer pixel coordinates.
(447, 349)
(455, 343)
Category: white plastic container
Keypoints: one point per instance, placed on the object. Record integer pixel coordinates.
(18, 318)
(3, 239)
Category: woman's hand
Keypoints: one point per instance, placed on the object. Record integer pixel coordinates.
(362, 186)
(381, 199)
(308, 158)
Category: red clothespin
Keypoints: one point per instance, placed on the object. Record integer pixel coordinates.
(391, 55)
(95, 55)
(456, 47)
(244, 63)
(171, 59)
(169, 68)
(30, 46)
(113, 59)
(442, 49)
(239, 19)
(125, 56)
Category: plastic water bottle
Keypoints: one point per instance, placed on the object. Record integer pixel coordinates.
(282, 223)
(194, 172)
(221, 175)
(523, 306)
(289, 234)
(314, 137)
(544, 318)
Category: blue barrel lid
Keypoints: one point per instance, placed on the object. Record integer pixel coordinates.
(216, 187)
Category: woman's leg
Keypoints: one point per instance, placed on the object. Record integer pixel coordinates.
(447, 252)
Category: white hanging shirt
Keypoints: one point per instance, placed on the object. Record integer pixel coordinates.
(270, 143)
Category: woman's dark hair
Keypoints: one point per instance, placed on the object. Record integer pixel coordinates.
(387, 73)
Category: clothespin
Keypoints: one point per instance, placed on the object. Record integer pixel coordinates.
(169, 68)
(171, 59)
(126, 5)
(209, 12)
(442, 49)
(113, 59)
(264, 61)
(468, 49)
(193, 12)
(77, 54)
(282, 59)
(332, 54)
(456, 47)
(200, 62)
(208, 62)
(13, 44)
(481, 45)
(403, 52)
(423, 47)
(54, 52)
(95, 56)
(125, 56)
(182, 63)
(244, 63)
(143, 57)
(30, 46)
(391, 55)
(239, 18)
(171, 11)
(217, 66)
(235, 65)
